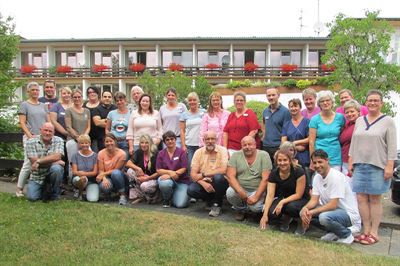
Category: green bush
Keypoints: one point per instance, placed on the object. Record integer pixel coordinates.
(260, 84)
(9, 125)
(273, 84)
(290, 83)
(233, 84)
(324, 81)
(257, 107)
(302, 84)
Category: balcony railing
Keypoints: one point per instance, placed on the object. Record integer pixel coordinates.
(125, 72)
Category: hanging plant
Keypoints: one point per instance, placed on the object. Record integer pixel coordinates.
(175, 67)
(99, 68)
(328, 68)
(212, 66)
(64, 69)
(28, 69)
(250, 67)
(288, 67)
(137, 67)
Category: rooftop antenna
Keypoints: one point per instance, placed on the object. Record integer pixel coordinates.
(301, 22)
(318, 27)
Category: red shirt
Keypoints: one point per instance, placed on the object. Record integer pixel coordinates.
(345, 140)
(239, 127)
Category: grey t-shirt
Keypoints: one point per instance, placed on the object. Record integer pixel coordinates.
(78, 120)
(85, 163)
(170, 118)
(36, 115)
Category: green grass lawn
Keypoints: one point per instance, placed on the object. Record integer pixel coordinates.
(71, 233)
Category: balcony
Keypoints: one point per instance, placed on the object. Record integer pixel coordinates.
(220, 74)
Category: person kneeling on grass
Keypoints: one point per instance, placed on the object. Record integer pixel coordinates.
(333, 204)
(247, 174)
(84, 170)
(47, 169)
(285, 191)
(111, 160)
(207, 171)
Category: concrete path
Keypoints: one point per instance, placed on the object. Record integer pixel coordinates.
(388, 245)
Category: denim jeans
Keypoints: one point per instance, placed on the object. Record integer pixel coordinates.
(220, 185)
(238, 204)
(55, 177)
(190, 152)
(117, 182)
(336, 221)
(170, 189)
(123, 145)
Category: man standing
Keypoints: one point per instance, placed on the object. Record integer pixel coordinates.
(50, 96)
(274, 117)
(45, 151)
(208, 167)
(332, 204)
(247, 174)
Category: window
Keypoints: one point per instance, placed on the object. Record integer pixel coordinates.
(238, 58)
(259, 58)
(39, 59)
(73, 59)
(214, 57)
(146, 58)
(107, 58)
(285, 57)
(179, 57)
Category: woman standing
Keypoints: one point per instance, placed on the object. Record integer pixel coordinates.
(372, 154)
(77, 121)
(145, 120)
(243, 122)
(296, 131)
(346, 95)
(170, 114)
(111, 160)
(117, 121)
(285, 191)
(136, 93)
(190, 122)
(32, 115)
(142, 172)
(57, 113)
(93, 96)
(310, 99)
(352, 111)
(171, 167)
(325, 129)
(215, 118)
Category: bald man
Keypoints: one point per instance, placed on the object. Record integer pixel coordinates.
(44, 152)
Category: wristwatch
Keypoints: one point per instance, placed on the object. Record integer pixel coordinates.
(203, 175)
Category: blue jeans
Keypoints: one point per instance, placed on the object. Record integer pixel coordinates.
(190, 152)
(123, 145)
(336, 221)
(117, 182)
(220, 185)
(55, 177)
(170, 189)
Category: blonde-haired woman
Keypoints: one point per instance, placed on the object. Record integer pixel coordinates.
(57, 112)
(215, 118)
(142, 172)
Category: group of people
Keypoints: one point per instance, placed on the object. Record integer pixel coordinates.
(316, 165)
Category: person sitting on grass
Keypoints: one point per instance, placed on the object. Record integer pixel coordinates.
(333, 204)
(47, 169)
(247, 174)
(207, 171)
(84, 169)
(142, 172)
(111, 160)
(285, 191)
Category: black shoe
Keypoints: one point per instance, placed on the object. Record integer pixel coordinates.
(166, 204)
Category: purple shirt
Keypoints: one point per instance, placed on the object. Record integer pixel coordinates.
(345, 140)
(178, 161)
(363, 111)
(308, 115)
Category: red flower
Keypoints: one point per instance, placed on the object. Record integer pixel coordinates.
(175, 67)
(288, 67)
(138, 67)
(250, 67)
(328, 68)
(64, 69)
(212, 66)
(99, 68)
(27, 69)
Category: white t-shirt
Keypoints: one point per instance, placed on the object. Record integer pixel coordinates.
(336, 186)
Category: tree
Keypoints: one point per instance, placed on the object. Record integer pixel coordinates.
(8, 50)
(357, 49)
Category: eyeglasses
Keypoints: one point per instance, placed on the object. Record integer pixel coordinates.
(169, 139)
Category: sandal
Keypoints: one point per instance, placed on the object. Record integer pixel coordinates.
(369, 240)
(360, 237)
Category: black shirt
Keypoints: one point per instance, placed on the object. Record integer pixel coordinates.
(102, 111)
(287, 187)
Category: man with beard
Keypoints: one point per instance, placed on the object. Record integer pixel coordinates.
(50, 97)
(247, 174)
(207, 172)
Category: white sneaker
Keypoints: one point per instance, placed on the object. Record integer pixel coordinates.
(355, 229)
(329, 237)
(19, 194)
(123, 200)
(215, 210)
(347, 240)
(76, 193)
(299, 229)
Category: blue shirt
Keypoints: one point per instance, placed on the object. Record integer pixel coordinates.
(119, 123)
(296, 133)
(327, 137)
(274, 122)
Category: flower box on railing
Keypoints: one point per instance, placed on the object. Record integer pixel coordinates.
(327, 68)
(175, 67)
(250, 67)
(138, 67)
(99, 68)
(212, 66)
(288, 68)
(64, 69)
(28, 69)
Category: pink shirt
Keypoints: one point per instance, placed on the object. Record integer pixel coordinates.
(110, 162)
(309, 115)
(216, 124)
(364, 111)
(140, 124)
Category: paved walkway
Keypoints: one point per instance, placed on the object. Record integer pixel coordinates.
(389, 242)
